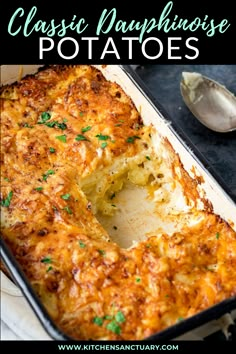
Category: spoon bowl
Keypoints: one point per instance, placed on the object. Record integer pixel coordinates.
(210, 102)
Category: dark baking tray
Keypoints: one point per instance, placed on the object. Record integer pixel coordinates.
(169, 333)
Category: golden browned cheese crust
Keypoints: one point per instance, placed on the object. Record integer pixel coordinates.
(66, 135)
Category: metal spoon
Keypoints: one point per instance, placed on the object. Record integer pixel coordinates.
(210, 102)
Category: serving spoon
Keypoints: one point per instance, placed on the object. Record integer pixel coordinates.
(210, 102)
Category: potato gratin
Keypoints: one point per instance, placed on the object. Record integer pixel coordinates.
(71, 143)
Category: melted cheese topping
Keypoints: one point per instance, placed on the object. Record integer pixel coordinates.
(70, 142)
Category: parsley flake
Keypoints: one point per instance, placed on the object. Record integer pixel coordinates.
(101, 252)
(26, 125)
(103, 145)
(81, 244)
(217, 235)
(48, 173)
(86, 129)
(98, 321)
(81, 137)
(50, 124)
(52, 150)
(65, 196)
(131, 139)
(68, 210)
(119, 317)
(38, 189)
(55, 123)
(114, 327)
(61, 138)
(46, 260)
(6, 202)
(45, 116)
(61, 126)
(102, 137)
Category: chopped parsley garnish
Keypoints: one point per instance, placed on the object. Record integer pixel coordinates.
(48, 173)
(49, 268)
(118, 125)
(52, 150)
(61, 138)
(81, 114)
(148, 158)
(38, 189)
(26, 125)
(6, 179)
(217, 235)
(6, 202)
(86, 129)
(61, 126)
(102, 137)
(81, 137)
(103, 145)
(46, 260)
(45, 116)
(131, 139)
(115, 227)
(113, 195)
(65, 196)
(51, 124)
(119, 317)
(180, 319)
(138, 280)
(98, 321)
(81, 244)
(68, 210)
(55, 123)
(114, 327)
(101, 252)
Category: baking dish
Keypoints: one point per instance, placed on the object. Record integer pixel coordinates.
(152, 113)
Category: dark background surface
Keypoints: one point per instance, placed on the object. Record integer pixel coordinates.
(219, 149)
